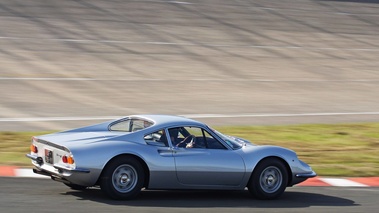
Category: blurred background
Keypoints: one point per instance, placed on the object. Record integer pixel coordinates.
(70, 63)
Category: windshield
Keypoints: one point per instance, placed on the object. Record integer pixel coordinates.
(231, 141)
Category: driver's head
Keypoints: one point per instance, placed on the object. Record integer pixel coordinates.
(173, 132)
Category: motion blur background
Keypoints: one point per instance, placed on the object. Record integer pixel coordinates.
(68, 63)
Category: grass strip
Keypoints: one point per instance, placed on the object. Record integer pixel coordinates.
(348, 150)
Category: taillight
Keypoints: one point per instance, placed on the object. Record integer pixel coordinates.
(64, 159)
(68, 159)
(33, 148)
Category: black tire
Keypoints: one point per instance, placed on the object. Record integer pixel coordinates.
(123, 178)
(269, 179)
(75, 186)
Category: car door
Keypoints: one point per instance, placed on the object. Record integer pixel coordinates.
(209, 162)
(161, 161)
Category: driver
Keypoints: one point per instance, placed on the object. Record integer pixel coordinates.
(174, 132)
(187, 142)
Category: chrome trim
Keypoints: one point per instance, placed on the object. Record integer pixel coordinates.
(51, 175)
(37, 159)
(271, 179)
(31, 157)
(71, 170)
(306, 175)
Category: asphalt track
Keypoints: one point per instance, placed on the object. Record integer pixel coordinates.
(36, 195)
(281, 62)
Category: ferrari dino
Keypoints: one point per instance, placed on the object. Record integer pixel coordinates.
(163, 152)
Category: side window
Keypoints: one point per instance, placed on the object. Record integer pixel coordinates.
(176, 135)
(157, 138)
(139, 124)
(194, 137)
(130, 125)
(212, 143)
(123, 126)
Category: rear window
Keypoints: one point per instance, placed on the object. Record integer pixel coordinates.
(130, 125)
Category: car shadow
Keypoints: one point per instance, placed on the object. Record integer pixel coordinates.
(204, 199)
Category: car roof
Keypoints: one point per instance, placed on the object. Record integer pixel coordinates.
(160, 122)
(167, 120)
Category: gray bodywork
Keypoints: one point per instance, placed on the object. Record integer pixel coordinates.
(168, 167)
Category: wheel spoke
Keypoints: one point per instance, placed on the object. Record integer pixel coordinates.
(124, 178)
(271, 179)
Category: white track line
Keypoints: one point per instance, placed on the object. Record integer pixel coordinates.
(187, 44)
(35, 119)
(246, 115)
(342, 182)
(28, 173)
(277, 115)
(45, 79)
(192, 79)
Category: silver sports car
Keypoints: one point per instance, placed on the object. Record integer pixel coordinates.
(163, 152)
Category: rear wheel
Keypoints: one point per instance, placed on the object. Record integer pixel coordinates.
(122, 178)
(269, 179)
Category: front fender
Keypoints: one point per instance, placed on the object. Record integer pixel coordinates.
(299, 171)
(252, 155)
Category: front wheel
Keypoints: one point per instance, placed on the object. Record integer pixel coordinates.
(269, 179)
(122, 178)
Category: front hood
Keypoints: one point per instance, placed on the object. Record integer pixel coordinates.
(269, 150)
(77, 138)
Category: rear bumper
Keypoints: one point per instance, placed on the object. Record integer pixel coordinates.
(61, 169)
(52, 175)
(79, 176)
(68, 177)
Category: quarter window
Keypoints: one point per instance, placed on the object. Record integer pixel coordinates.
(130, 125)
(157, 138)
